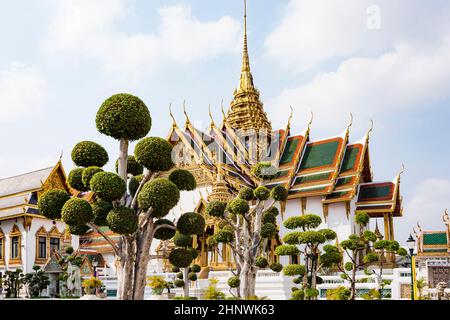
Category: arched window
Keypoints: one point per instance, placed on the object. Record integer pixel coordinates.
(15, 253)
(56, 239)
(41, 246)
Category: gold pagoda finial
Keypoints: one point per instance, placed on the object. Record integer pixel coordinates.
(377, 231)
(246, 59)
(174, 122)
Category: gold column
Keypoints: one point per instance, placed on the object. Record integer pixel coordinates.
(387, 233)
(391, 227)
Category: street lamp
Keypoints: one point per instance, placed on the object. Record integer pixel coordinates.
(411, 244)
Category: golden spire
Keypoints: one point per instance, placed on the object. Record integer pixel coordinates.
(247, 112)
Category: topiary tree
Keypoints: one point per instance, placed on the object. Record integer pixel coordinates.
(306, 242)
(248, 227)
(133, 202)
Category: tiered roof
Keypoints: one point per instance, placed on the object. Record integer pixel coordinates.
(434, 243)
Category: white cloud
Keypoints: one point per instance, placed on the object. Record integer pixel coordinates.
(90, 29)
(426, 206)
(23, 91)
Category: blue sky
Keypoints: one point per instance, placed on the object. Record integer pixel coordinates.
(383, 60)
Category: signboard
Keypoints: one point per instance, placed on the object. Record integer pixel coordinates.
(438, 274)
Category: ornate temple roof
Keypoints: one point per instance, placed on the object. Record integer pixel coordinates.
(434, 243)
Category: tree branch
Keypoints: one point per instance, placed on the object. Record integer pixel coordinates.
(108, 239)
(147, 177)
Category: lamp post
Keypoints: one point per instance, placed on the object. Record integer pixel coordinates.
(411, 244)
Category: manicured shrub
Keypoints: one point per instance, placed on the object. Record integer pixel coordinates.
(124, 116)
(180, 258)
(77, 212)
(122, 220)
(88, 153)
(328, 234)
(292, 238)
(261, 193)
(246, 194)
(298, 295)
(276, 267)
(159, 194)
(216, 209)
(268, 230)
(133, 184)
(192, 276)
(108, 186)
(133, 167)
(211, 241)
(362, 218)
(224, 236)
(78, 230)
(154, 153)
(261, 262)
(269, 218)
(101, 209)
(183, 179)
(182, 240)
(179, 283)
(164, 233)
(175, 269)
(238, 206)
(196, 268)
(191, 223)
(234, 282)
(180, 275)
(273, 210)
(194, 252)
(287, 250)
(75, 180)
(311, 237)
(279, 193)
(51, 203)
(264, 171)
(294, 270)
(87, 175)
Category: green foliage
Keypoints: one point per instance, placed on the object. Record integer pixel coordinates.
(108, 186)
(211, 241)
(13, 283)
(402, 252)
(311, 237)
(75, 179)
(261, 262)
(183, 179)
(234, 282)
(330, 248)
(279, 193)
(164, 233)
(155, 154)
(268, 230)
(261, 193)
(298, 295)
(51, 203)
(340, 293)
(122, 220)
(330, 258)
(77, 212)
(238, 206)
(193, 252)
(311, 293)
(373, 294)
(175, 269)
(159, 194)
(78, 230)
(393, 246)
(182, 240)
(100, 209)
(269, 218)
(88, 153)
(180, 258)
(191, 223)
(133, 167)
(294, 270)
(369, 236)
(216, 209)
(354, 243)
(69, 250)
(133, 184)
(276, 267)
(87, 175)
(297, 280)
(370, 257)
(328, 234)
(192, 276)
(287, 250)
(246, 194)
(362, 218)
(196, 268)
(264, 171)
(293, 222)
(37, 281)
(224, 236)
(184, 298)
(348, 266)
(312, 221)
(124, 116)
(381, 244)
(272, 210)
(179, 283)
(212, 293)
(180, 275)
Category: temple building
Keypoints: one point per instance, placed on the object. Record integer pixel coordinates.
(329, 177)
(26, 237)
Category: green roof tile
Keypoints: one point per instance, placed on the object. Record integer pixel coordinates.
(375, 192)
(319, 155)
(350, 158)
(435, 238)
(289, 151)
(343, 181)
(312, 178)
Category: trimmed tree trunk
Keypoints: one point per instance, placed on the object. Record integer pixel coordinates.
(186, 282)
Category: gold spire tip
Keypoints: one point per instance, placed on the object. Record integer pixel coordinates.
(171, 115)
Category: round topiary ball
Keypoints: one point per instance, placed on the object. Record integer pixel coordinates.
(122, 220)
(180, 258)
(77, 212)
(273, 210)
(87, 175)
(224, 236)
(294, 270)
(155, 154)
(124, 116)
(264, 171)
(133, 167)
(88, 153)
(175, 269)
(276, 267)
(133, 184)
(164, 233)
(194, 252)
(179, 283)
(180, 275)
(183, 179)
(75, 180)
(196, 268)
(261, 262)
(192, 276)
(246, 194)
(101, 209)
(238, 206)
(159, 194)
(269, 218)
(261, 193)
(234, 282)
(268, 230)
(216, 209)
(279, 193)
(108, 186)
(182, 240)
(78, 230)
(191, 223)
(51, 203)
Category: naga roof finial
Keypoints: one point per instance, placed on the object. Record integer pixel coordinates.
(223, 112)
(210, 115)
(174, 122)
(185, 112)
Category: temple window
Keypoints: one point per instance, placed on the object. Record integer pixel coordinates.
(15, 247)
(15, 237)
(42, 250)
(54, 244)
(2, 248)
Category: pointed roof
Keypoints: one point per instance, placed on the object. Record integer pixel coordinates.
(247, 111)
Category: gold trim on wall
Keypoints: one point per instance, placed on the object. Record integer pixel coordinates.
(15, 232)
(2, 252)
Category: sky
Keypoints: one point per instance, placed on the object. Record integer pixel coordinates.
(383, 60)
